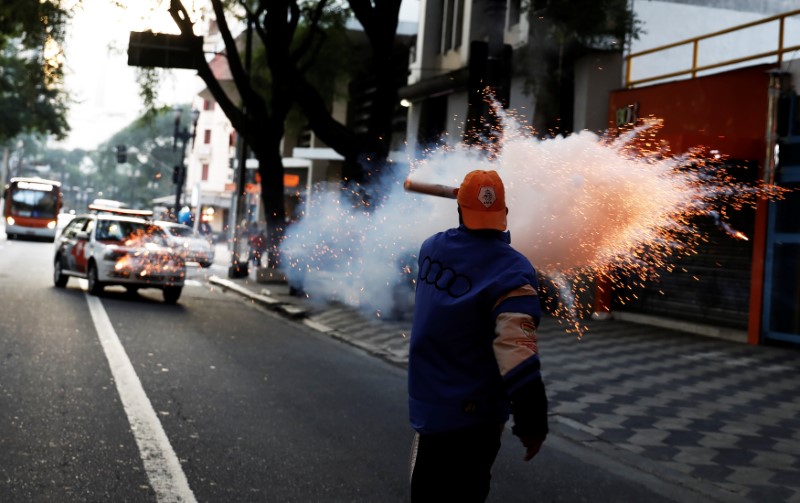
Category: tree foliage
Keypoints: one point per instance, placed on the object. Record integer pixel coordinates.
(151, 157)
(365, 147)
(560, 32)
(590, 23)
(85, 175)
(328, 59)
(32, 98)
(30, 156)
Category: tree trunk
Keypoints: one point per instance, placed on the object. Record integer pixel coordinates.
(270, 168)
(383, 109)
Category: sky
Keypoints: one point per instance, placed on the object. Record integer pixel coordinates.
(99, 78)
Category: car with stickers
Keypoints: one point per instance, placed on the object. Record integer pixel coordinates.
(116, 246)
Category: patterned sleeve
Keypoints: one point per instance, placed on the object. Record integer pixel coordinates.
(517, 353)
(516, 349)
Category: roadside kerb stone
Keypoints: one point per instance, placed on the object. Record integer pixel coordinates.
(230, 285)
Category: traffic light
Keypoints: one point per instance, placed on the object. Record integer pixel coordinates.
(176, 175)
(122, 154)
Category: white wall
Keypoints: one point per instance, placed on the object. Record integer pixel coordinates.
(668, 22)
(596, 75)
(456, 115)
(216, 154)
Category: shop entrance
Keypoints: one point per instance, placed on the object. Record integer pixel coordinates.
(781, 317)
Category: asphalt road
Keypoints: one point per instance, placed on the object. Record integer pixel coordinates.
(125, 398)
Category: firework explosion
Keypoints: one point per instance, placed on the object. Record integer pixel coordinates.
(579, 206)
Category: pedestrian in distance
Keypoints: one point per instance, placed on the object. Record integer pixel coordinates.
(473, 358)
(185, 216)
(258, 244)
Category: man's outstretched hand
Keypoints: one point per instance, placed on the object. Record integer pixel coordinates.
(532, 445)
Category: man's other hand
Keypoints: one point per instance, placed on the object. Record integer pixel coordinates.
(532, 445)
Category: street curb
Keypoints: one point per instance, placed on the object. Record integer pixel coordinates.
(287, 309)
(295, 312)
(368, 347)
(319, 327)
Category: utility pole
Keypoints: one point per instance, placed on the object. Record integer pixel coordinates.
(4, 168)
(239, 268)
(184, 135)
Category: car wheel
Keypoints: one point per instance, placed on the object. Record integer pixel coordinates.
(95, 286)
(172, 294)
(59, 278)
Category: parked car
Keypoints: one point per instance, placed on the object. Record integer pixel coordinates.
(118, 248)
(194, 246)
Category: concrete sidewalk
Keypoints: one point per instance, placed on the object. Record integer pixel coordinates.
(720, 418)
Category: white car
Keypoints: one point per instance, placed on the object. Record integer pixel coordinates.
(194, 246)
(118, 249)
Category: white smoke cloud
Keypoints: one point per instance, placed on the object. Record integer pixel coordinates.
(357, 255)
(575, 204)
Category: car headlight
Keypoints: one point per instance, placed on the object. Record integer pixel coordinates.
(10, 220)
(51, 224)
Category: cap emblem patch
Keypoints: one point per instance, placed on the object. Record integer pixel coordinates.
(487, 196)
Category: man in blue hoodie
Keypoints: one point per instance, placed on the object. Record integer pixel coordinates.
(473, 355)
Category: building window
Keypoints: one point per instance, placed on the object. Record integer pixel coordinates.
(452, 21)
(432, 122)
(208, 105)
(514, 9)
(435, 11)
(204, 175)
(459, 23)
(447, 26)
(207, 136)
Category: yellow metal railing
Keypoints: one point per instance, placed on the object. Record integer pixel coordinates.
(779, 52)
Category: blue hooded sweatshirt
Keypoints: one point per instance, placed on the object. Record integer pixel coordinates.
(454, 381)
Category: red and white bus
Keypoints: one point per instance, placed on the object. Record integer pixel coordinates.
(31, 207)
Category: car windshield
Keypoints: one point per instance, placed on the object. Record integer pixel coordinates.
(181, 231)
(131, 233)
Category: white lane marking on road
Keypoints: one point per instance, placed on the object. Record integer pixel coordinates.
(160, 462)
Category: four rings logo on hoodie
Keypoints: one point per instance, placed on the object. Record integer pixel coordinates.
(443, 278)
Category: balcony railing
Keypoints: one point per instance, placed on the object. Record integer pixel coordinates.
(778, 52)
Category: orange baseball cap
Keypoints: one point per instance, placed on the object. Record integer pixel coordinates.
(482, 199)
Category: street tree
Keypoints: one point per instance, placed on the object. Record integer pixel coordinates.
(259, 120)
(365, 147)
(32, 97)
(292, 34)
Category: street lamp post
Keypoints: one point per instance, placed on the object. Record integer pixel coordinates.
(184, 135)
(240, 268)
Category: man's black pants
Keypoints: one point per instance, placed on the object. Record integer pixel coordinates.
(454, 466)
